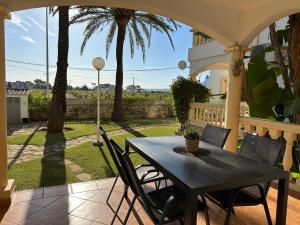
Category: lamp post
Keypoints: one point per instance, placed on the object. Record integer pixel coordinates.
(98, 63)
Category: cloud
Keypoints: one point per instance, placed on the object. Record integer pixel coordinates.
(19, 22)
(11, 30)
(28, 39)
(41, 27)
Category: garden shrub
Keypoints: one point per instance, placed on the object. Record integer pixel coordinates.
(39, 104)
(183, 91)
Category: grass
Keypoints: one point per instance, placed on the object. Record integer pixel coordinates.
(81, 129)
(35, 174)
(93, 162)
(49, 172)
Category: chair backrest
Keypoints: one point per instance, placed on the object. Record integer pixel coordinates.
(214, 135)
(132, 178)
(262, 149)
(113, 155)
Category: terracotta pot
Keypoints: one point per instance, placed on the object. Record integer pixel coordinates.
(192, 145)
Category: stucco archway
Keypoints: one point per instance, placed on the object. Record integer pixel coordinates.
(227, 21)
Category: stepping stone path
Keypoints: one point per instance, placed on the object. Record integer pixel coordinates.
(78, 171)
(23, 153)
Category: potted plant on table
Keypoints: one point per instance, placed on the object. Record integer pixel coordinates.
(192, 139)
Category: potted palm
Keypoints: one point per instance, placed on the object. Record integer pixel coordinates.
(192, 139)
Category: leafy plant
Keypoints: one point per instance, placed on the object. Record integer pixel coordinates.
(262, 91)
(191, 135)
(183, 90)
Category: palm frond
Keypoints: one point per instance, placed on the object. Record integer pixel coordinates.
(131, 42)
(110, 36)
(138, 38)
(146, 29)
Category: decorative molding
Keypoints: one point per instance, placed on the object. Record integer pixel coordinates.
(4, 12)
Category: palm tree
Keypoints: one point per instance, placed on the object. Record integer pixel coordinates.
(136, 25)
(58, 104)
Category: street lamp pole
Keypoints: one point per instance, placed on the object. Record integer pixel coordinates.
(98, 63)
(98, 109)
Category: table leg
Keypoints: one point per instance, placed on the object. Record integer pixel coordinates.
(282, 198)
(191, 206)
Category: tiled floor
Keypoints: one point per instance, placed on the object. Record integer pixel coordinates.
(84, 204)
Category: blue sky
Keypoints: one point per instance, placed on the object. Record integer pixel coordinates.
(25, 41)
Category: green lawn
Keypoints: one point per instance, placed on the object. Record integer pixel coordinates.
(79, 130)
(37, 173)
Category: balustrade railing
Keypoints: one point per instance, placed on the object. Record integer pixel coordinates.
(275, 129)
(202, 113)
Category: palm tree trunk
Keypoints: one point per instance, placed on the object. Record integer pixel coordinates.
(117, 114)
(279, 56)
(58, 104)
(294, 56)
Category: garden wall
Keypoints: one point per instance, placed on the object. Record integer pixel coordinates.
(133, 109)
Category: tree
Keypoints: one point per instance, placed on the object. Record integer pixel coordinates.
(58, 103)
(136, 25)
(286, 47)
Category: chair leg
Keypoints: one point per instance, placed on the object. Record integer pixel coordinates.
(129, 210)
(118, 208)
(228, 215)
(233, 211)
(205, 210)
(267, 212)
(112, 188)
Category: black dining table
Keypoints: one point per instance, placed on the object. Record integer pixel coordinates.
(208, 170)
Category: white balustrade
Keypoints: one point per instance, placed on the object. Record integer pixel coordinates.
(275, 129)
(202, 113)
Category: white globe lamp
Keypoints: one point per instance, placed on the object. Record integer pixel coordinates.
(182, 65)
(98, 63)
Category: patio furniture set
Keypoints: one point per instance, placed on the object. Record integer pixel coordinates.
(184, 182)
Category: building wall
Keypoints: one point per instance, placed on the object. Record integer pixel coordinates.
(211, 57)
(132, 109)
(217, 83)
(24, 104)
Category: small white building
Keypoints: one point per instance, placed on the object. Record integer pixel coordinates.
(17, 106)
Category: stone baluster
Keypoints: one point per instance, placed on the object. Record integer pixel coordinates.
(275, 134)
(249, 128)
(261, 131)
(287, 159)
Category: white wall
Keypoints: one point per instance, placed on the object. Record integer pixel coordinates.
(24, 107)
(214, 83)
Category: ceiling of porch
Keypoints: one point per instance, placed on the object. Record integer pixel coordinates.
(227, 21)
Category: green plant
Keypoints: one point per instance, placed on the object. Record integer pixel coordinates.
(183, 91)
(261, 88)
(191, 135)
(39, 104)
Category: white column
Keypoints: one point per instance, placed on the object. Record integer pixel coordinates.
(6, 186)
(232, 114)
(193, 76)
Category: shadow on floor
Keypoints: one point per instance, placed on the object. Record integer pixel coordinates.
(129, 129)
(109, 171)
(24, 145)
